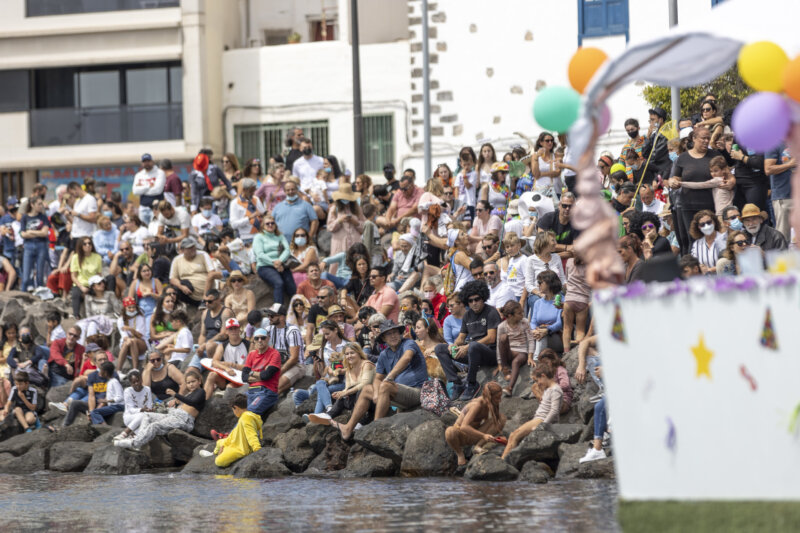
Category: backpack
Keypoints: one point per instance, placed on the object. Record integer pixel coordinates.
(433, 397)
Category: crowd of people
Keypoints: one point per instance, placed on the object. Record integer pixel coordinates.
(378, 289)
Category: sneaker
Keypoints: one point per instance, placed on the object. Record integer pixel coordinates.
(606, 439)
(306, 419)
(29, 430)
(61, 406)
(358, 426)
(469, 392)
(321, 418)
(205, 453)
(120, 436)
(593, 455)
(124, 443)
(458, 390)
(597, 397)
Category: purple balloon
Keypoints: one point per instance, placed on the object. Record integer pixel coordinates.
(761, 121)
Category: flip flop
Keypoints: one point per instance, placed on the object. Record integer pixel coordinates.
(338, 427)
(501, 440)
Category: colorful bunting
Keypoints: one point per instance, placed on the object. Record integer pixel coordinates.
(618, 329)
(768, 339)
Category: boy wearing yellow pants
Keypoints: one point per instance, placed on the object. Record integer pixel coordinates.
(245, 437)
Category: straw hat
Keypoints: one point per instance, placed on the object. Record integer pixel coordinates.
(345, 193)
(751, 210)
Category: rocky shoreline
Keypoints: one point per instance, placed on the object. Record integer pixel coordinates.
(408, 444)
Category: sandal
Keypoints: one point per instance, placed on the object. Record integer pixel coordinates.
(51, 429)
(507, 392)
(456, 411)
(338, 426)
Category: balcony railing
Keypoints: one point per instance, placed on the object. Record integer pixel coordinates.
(38, 8)
(97, 125)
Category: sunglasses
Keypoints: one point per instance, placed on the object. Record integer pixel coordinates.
(707, 109)
(475, 299)
(269, 223)
(740, 244)
(237, 280)
(258, 339)
(70, 334)
(548, 140)
(480, 210)
(155, 359)
(566, 206)
(487, 247)
(373, 276)
(648, 226)
(477, 275)
(209, 301)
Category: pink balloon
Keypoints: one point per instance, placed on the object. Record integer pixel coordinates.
(605, 119)
(761, 121)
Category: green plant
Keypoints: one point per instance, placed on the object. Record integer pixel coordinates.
(729, 89)
(294, 37)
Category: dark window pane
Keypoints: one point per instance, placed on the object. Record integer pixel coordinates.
(14, 90)
(146, 86)
(55, 88)
(176, 84)
(99, 89)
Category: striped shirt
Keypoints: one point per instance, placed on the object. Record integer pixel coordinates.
(283, 338)
(708, 255)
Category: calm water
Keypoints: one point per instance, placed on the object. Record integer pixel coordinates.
(176, 502)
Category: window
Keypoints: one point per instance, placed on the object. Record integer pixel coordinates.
(38, 8)
(378, 142)
(263, 141)
(11, 184)
(599, 18)
(14, 90)
(320, 32)
(107, 104)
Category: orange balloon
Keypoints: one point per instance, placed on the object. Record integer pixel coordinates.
(583, 65)
(791, 79)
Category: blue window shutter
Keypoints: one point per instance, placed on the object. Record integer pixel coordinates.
(598, 18)
(617, 16)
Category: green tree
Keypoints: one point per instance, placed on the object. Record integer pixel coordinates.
(729, 89)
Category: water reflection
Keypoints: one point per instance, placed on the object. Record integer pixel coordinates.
(176, 502)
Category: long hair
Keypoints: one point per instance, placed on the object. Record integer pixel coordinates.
(158, 313)
(728, 253)
(141, 267)
(694, 226)
(481, 159)
(249, 166)
(491, 390)
(433, 330)
(79, 249)
(333, 326)
(356, 348)
(354, 253)
(234, 161)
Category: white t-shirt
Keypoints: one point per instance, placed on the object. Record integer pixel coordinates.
(656, 207)
(202, 225)
(136, 401)
(239, 214)
(499, 295)
(306, 170)
(57, 333)
(150, 183)
(514, 274)
(235, 355)
(138, 323)
(136, 239)
(84, 206)
(53, 207)
(179, 220)
(466, 196)
(183, 340)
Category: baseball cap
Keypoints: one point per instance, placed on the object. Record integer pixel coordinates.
(188, 242)
(147, 157)
(231, 323)
(276, 309)
(12, 201)
(388, 166)
(260, 332)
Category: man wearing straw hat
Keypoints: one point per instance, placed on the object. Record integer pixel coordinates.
(761, 235)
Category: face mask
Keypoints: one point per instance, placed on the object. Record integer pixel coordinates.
(633, 134)
(328, 170)
(636, 166)
(736, 225)
(26, 338)
(673, 156)
(109, 214)
(130, 312)
(157, 368)
(753, 229)
(707, 229)
(345, 202)
(167, 311)
(206, 213)
(428, 295)
(300, 241)
(307, 151)
(292, 198)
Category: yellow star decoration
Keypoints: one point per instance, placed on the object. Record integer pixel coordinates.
(703, 356)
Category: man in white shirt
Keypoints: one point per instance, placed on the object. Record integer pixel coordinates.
(288, 340)
(84, 212)
(148, 184)
(499, 291)
(307, 166)
(650, 204)
(61, 190)
(205, 221)
(174, 223)
(246, 210)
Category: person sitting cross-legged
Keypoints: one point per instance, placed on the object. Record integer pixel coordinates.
(245, 437)
(399, 374)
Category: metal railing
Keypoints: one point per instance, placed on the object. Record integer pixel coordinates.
(97, 125)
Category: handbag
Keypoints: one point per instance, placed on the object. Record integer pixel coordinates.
(433, 397)
(291, 261)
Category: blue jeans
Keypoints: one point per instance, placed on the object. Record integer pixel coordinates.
(260, 399)
(324, 391)
(529, 305)
(80, 393)
(34, 254)
(282, 282)
(301, 395)
(592, 362)
(57, 380)
(145, 214)
(339, 283)
(600, 419)
(98, 416)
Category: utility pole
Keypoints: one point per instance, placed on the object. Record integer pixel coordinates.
(358, 124)
(675, 92)
(426, 93)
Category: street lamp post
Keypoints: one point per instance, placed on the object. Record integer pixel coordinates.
(358, 125)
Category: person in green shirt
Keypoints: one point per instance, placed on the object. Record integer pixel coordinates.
(86, 262)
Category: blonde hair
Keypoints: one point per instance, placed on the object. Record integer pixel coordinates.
(542, 241)
(102, 219)
(511, 239)
(356, 348)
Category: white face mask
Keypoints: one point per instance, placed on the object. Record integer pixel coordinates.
(428, 295)
(707, 229)
(130, 312)
(752, 229)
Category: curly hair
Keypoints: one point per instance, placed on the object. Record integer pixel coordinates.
(694, 227)
(639, 219)
(474, 288)
(633, 242)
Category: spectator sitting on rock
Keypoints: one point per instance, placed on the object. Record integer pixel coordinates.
(289, 342)
(181, 416)
(181, 345)
(161, 377)
(318, 312)
(66, 357)
(515, 344)
(86, 263)
(192, 273)
(476, 343)
(138, 401)
(27, 356)
(763, 236)
(229, 356)
(93, 358)
(546, 317)
(480, 420)
(312, 287)
(359, 372)
(399, 374)
(262, 372)
(22, 402)
(548, 410)
(244, 439)
(112, 402)
(211, 321)
(596, 452)
(689, 266)
(561, 377)
(97, 385)
(134, 334)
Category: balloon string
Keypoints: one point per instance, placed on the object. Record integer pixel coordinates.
(644, 172)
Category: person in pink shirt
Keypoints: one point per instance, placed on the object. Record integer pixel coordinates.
(384, 298)
(405, 202)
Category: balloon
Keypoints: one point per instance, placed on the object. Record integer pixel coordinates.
(761, 66)
(791, 79)
(761, 121)
(583, 65)
(556, 108)
(605, 119)
(615, 168)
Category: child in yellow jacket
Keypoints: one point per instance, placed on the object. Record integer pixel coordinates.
(245, 437)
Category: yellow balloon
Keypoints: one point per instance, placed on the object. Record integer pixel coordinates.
(761, 65)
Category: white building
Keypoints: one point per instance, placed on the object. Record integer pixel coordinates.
(87, 86)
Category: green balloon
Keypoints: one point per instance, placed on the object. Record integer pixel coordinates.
(556, 108)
